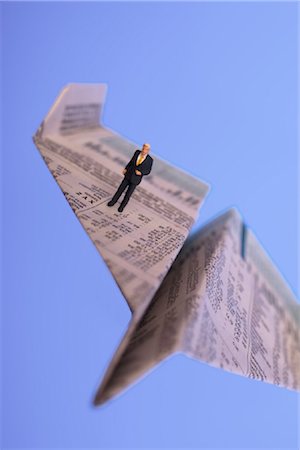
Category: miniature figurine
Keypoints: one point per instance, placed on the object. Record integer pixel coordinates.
(139, 165)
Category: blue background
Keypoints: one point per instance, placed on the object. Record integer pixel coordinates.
(213, 88)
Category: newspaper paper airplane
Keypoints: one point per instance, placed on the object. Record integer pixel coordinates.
(214, 295)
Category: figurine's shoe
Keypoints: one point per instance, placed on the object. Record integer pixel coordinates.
(110, 203)
(120, 209)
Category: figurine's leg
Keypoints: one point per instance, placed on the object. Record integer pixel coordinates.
(119, 191)
(129, 191)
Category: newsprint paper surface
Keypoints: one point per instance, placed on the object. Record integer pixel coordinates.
(213, 295)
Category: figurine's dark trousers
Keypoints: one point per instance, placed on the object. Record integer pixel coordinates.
(130, 188)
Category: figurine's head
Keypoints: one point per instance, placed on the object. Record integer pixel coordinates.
(145, 149)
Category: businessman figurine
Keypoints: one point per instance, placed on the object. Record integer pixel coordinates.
(139, 165)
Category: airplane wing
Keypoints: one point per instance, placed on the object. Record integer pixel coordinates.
(86, 159)
(223, 302)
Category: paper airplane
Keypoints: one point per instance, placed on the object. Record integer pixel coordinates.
(214, 295)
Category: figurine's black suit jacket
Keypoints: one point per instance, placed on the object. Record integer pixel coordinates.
(145, 167)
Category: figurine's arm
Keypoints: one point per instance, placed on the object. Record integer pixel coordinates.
(131, 161)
